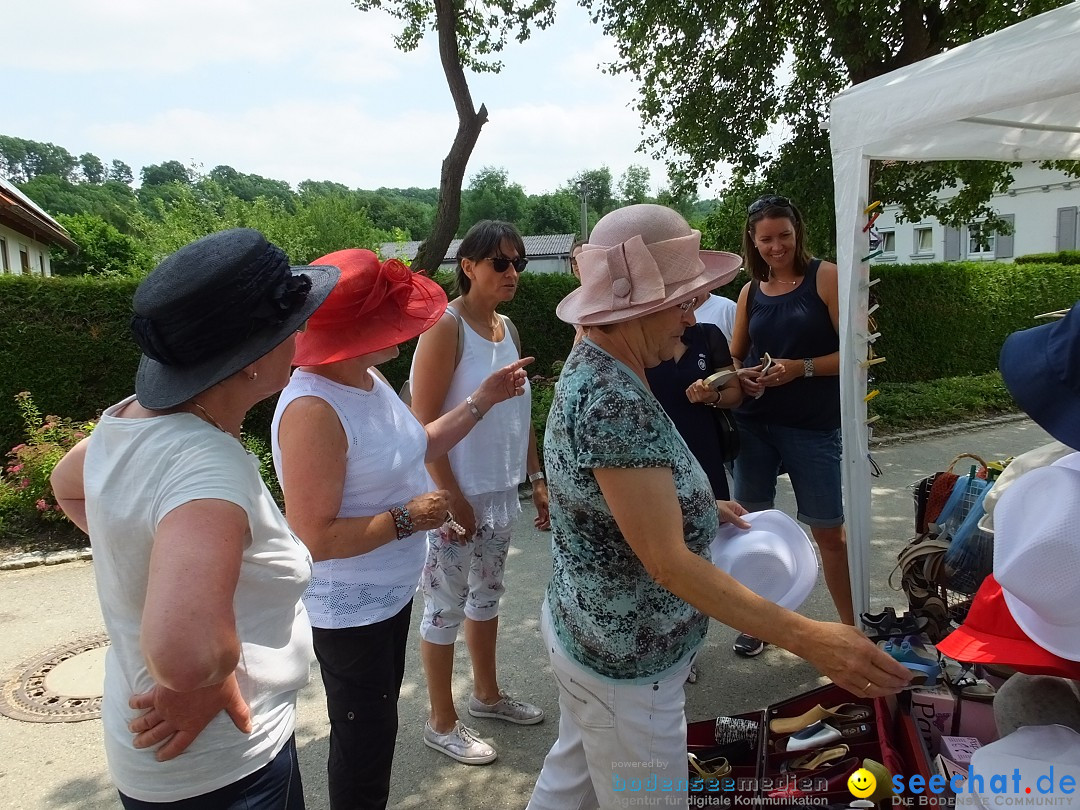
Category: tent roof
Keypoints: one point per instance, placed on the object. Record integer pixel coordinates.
(1012, 95)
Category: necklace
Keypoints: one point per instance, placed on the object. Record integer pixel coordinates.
(211, 419)
(492, 326)
(782, 281)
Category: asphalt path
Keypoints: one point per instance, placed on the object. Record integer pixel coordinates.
(61, 765)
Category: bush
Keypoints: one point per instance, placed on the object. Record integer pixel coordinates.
(26, 495)
(1063, 257)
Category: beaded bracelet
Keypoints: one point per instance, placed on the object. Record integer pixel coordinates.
(403, 522)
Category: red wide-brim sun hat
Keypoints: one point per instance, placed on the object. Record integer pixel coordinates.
(990, 635)
(373, 306)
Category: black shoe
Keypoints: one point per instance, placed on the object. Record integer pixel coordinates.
(748, 646)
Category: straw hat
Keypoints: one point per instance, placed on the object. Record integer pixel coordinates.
(641, 259)
(213, 307)
(374, 305)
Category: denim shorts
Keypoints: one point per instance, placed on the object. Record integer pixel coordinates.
(811, 458)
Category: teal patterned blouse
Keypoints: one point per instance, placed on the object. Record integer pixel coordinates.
(609, 614)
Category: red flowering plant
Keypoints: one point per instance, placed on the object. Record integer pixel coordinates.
(25, 492)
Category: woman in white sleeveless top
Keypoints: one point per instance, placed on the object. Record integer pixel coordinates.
(350, 457)
(481, 474)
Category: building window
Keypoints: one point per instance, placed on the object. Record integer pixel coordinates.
(5, 264)
(888, 243)
(24, 259)
(980, 240)
(41, 262)
(924, 240)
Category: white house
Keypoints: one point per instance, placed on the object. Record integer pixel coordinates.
(27, 234)
(1041, 204)
(546, 254)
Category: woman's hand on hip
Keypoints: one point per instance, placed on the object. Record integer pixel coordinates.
(174, 719)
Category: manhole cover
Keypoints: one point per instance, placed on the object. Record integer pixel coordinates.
(61, 685)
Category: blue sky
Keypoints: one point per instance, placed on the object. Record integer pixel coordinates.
(306, 89)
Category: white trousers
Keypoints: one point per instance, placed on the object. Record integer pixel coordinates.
(617, 744)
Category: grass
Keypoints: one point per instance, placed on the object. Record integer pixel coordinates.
(935, 403)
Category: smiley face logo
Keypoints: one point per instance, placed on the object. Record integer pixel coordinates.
(861, 783)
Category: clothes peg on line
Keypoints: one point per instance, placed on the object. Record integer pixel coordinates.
(871, 206)
(871, 221)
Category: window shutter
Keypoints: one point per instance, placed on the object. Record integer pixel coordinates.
(1003, 242)
(1066, 228)
(952, 244)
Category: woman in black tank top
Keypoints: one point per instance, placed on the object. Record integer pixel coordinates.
(790, 420)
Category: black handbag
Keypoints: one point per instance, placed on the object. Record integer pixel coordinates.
(720, 357)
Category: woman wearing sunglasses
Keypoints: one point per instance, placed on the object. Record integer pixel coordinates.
(462, 580)
(791, 415)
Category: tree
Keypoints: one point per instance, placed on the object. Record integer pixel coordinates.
(634, 185)
(93, 170)
(103, 250)
(597, 190)
(717, 78)
(552, 213)
(22, 160)
(171, 171)
(469, 34)
(120, 172)
(491, 195)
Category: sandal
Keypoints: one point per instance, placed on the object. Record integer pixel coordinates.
(844, 713)
(709, 770)
(814, 760)
(888, 625)
(819, 734)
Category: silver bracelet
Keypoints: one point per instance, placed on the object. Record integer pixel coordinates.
(473, 409)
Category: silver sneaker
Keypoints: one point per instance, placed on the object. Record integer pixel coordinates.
(507, 708)
(460, 743)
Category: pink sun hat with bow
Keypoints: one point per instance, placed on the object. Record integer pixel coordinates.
(641, 259)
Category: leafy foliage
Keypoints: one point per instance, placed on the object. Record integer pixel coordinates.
(747, 84)
(907, 406)
(103, 250)
(1062, 257)
(25, 491)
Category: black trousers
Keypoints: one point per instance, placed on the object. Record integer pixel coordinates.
(362, 669)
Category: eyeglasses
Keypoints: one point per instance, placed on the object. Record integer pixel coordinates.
(502, 264)
(768, 201)
(686, 306)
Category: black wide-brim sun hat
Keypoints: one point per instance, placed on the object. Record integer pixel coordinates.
(215, 306)
(1041, 369)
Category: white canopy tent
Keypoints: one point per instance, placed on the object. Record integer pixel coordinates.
(1013, 95)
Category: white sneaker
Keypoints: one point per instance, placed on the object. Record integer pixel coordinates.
(507, 708)
(460, 743)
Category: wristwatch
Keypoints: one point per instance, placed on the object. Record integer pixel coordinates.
(536, 476)
(808, 367)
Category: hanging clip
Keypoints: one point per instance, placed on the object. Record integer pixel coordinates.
(873, 309)
(871, 395)
(871, 221)
(872, 419)
(871, 206)
(866, 285)
(872, 255)
(873, 361)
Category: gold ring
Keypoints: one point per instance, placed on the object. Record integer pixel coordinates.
(869, 684)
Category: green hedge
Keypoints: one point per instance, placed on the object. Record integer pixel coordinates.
(66, 340)
(949, 319)
(1063, 257)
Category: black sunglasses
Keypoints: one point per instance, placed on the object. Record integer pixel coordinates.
(768, 201)
(502, 264)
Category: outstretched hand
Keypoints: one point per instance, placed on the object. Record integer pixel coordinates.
(507, 382)
(173, 720)
(853, 662)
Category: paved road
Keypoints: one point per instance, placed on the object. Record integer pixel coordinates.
(62, 765)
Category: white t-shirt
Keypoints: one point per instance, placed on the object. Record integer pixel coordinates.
(384, 468)
(136, 472)
(717, 309)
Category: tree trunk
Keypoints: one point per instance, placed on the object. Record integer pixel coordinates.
(448, 213)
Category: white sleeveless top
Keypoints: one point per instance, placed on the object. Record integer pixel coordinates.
(384, 467)
(489, 462)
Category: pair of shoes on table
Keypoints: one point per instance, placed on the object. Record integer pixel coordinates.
(708, 770)
(507, 708)
(748, 646)
(460, 743)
